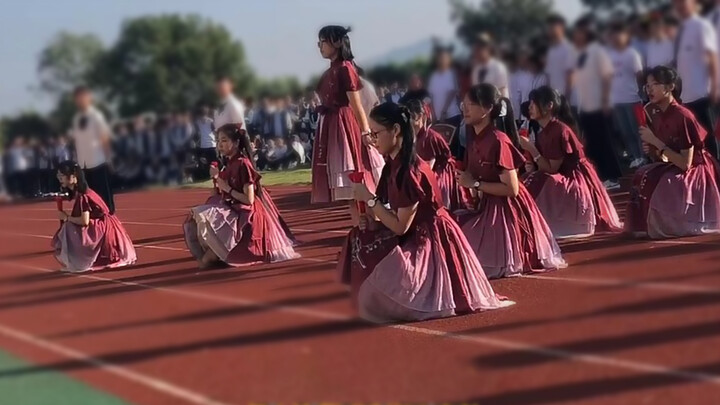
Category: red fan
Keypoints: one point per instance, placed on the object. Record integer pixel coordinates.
(59, 204)
(357, 177)
(640, 115)
(459, 165)
(215, 165)
(524, 133)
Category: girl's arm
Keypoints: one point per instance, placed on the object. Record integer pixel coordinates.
(507, 187)
(398, 223)
(547, 165)
(682, 160)
(356, 105)
(247, 197)
(82, 220)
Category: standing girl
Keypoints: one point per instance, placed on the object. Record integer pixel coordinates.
(240, 225)
(342, 134)
(507, 231)
(432, 148)
(90, 237)
(413, 262)
(677, 195)
(565, 185)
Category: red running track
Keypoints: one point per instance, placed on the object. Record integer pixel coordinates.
(629, 322)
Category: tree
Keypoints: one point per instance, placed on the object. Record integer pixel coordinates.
(25, 124)
(635, 6)
(278, 87)
(387, 74)
(167, 63)
(510, 22)
(67, 62)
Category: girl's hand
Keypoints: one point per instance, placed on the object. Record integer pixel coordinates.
(62, 216)
(214, 172)
(525, 143)
(648, 137)
(223, 185)
(465, 179)
(646, 148)
(361, 192)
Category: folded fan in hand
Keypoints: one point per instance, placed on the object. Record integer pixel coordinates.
(459, 165)
(357, 178)
(215, 165)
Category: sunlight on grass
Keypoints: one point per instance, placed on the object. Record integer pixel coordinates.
(281, 178)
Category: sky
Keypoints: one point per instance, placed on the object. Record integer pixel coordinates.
(279, 36)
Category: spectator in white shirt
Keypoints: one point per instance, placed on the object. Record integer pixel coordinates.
(659, 47)
(91, 135)
(520, 79)
(231, 110)
(625, 91)
(560, 58)
(592, 77)
(696, 57)
(443, 88)
(486, 68)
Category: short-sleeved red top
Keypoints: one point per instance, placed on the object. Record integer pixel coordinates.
(678, 129)
(334, 84)
(431, 145)
(557, 141)
(239, 172)
(91, 202)
(489, 153)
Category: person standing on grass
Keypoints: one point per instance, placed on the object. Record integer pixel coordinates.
(341, 142)
(91, 136)
(506, 230)
(90, 237)
(696, 61)
(239, 225)
(231, 110)
(405, 259)
(679, 194)
(625, 91)
(563, 182)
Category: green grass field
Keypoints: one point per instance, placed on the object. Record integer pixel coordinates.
(280, 178)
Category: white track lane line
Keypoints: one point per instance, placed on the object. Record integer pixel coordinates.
(505, 344)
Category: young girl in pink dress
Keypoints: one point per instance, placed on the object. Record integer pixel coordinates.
(239, 224)
(563, 182)
(506, 230)
(406, 259)
(433, 149)
(677, 195)
(341, 141)
(90, 238)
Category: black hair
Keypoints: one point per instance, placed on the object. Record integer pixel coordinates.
(239, 135)
(556, 19)
(671, 21)
(388, 115)
(489, 96)
(544, 95)
(587, 24)
(70, 168)
(80, 90)
(667, 76)
(415, 106)
(335, 34)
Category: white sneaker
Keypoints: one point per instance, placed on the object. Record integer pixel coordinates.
(611, 185)
(637, 163)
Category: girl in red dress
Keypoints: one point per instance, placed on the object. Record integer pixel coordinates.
(239, 225)
(341, 141)
(564, 183)
(507, 231)
(406, 259)
(90, 238)
(432, 147)
(677, 195)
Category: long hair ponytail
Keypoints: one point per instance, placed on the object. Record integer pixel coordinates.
(544, 96)
(239, 135)
(70, 168)
(489, 97)
(388, 115)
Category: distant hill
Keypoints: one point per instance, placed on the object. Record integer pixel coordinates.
(417, 50)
